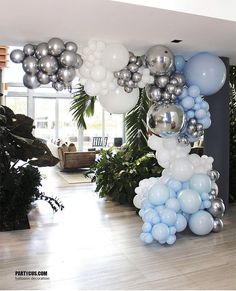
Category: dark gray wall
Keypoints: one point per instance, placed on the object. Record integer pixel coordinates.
(216, 138)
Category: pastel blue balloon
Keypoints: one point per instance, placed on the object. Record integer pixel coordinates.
(187, 102)
(160, 232)
(173, 204)
(198, 100)
(193, 91)
(171, 239)
(172, 230)
(149, 215)
(141, 212)
(186, 215)
(185, 185)
(201, 222)
(159, 209)
(155, 219)
(175, 185)
(205, 105)
(200, 183)
(206, 71)
(190, 114)
(179, 63)
(200, 113)
(168, 216)
(205, 196)
(202, 206)
(147, 227)
(142, 236)
(181, 223)
(206, 122)
(207, 204)
(148, 238)
(145, 204)
(196, 106)
(183, 94)
(158, 194)
(190, 201)
(172, 193)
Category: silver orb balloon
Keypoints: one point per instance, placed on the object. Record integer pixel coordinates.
(30, 81)
(128, 89)
(174, 81)
(211, 197)
(17, 56)
(170, 88)
(71, 46)
(66, 75)
(217, 208)
(136, 77)
(30, 65)
(55, 46)
(59, 86)
(132, 67)
(129, 84)
(28, 49)
(180, 79)
(53, 78)
(121, 82)
(199, 127)
(166, 96)
(43, 78)
(139, 62)
(193, 121)
(41, 50)
(166, 120)
(162, 81)
(132, 59)
(48, 65)
(79, 61)
(214, 175)
(117, 74)
(183, 140)
(159, 60)
(178, 90)
(218, 225)
(155, 94)
(125, 74)
(68, 59)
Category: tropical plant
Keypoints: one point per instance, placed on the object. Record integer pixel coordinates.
(117, 174)
(19, 185)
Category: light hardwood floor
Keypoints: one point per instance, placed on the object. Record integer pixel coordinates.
(94, 244)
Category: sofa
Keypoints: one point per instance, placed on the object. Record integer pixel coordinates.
(70, 158)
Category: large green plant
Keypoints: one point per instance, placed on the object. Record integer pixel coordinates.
(19, 185)
(118, 174)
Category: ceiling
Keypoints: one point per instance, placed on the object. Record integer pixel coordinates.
(206, 28)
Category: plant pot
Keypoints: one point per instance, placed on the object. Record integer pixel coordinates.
(22, 223)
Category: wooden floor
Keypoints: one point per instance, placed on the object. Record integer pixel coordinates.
(94, 244)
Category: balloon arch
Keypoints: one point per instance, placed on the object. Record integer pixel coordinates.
(186, 193)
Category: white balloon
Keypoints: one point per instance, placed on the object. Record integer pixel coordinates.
(115, 57)
(195, 159)
(84, 71)
(137, 201)
(154, 142)
(169, 143)
(92, 88)
(118, 101)
(181, 169)
(98, 73)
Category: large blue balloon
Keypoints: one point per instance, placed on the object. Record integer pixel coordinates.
(201, 222)
(206, 71)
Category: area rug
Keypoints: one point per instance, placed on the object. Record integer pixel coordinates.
(74, 177)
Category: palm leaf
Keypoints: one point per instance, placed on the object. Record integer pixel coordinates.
(82, 106)
(135, 123)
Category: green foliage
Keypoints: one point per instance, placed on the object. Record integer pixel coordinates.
(118, 174)
(19, 184)
(81, 106)
(135, 122)
(232, 107)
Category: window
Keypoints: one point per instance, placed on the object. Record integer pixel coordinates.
(17, 104)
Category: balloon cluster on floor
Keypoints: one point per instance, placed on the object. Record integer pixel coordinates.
(54, 61)
(186, 193)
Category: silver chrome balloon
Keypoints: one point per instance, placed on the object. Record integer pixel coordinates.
(53, 78)
(191, 128)
(28, 49)
(166, 96)
(71, 46)
(170, 88)
(162, 81)
(133, 67)
(155, 94)
(128, 89)
(166, 120)
(41, 50)
(214, 175)
(125, 74)
(213, 192)
(121, 82)
(139, 62)
(159, 60)
(43, 78)
(217, 208)
(59, 86)
(79, 61)
(133, 59)
(211, 196)
(183, 140)
(48, 65)
(30, 65)
(192, 121)
(129, 84)
(199, 126)
(66, 75)
(117, 74)
(17, 56)
(137, 77)
(180, 79)
(55, 46)
(218, 225)
(30, 81)
(174, 81)
(68, 59)
(178, 90)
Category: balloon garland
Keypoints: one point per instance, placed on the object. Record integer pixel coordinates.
(186, 193)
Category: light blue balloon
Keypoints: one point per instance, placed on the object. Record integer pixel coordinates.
(147, 227)
(202, 206)
(199, 100)
(201, 222)
(173, 204)
(141, 212)
(175, 185)
(168, 216)
(186, 215)
(205, 105)
(206, 122)
(145, 204)
(172, 193)
(158, 194)
(160, 232)
(185, 185)
(181, 223)
(190, 201)
(187, 102)
(148, 238)
(149, 215)
(206, 71)
(183, 94)
(171, 239)
(193, 91)
(200, 183)
(172, 230)
(207, 204)
(196, 106)
(159, 209)
(190, 114)
(179, 63)
(200, 113)
(205, 196)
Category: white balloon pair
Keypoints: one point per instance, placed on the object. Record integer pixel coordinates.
(176, 160)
